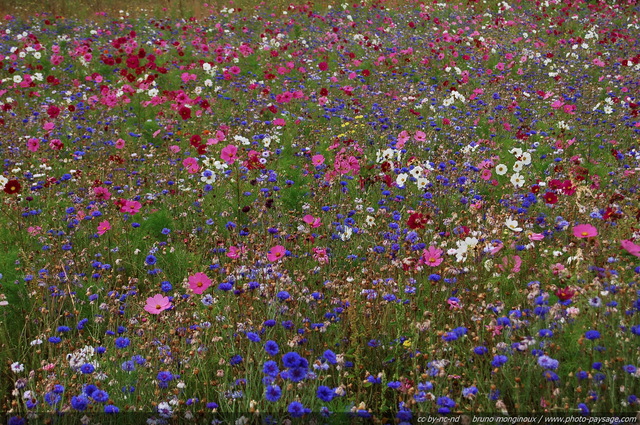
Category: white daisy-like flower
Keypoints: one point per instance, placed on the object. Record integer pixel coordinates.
(501, 169)
(517, 167)
(513, 225)
(516, 151)
(346, 234)
(422, 183)
(17, 367)
(370, 221)
(401, 179)
(416, 171)
(525, 158)
(517, 180)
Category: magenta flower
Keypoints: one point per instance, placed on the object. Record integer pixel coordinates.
(311, 221)
(103, 227)
(584, 231)
(432, 256)
(131, 207)
(317, 160)
(630, 247)
(199, 282)
(276, 253)
(229, 154)
(157, 304)
(33, 144)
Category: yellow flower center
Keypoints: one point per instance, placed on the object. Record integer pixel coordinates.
(199, 284)
(158, 307)
(585, 234)
(431, 259)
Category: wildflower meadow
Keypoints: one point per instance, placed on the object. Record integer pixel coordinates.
(367, 211)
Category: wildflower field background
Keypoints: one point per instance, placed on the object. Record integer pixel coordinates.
(292, 211)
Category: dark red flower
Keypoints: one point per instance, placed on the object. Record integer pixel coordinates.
(550, 198)
(185, 113)
(565, 294)
(417, 221)
(12, 187)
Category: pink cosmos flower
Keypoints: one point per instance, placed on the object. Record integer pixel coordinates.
(486, 174)
(33, 144)
(102, 193)
(103, 227)
(276, 253)
(420, 136)
(403, 138)
(584, 231)
(120, 144)
(630, 247)
(432, 256)
(320, 255)
(536, 237)
(157, 304)
(131, 207)
(34, 230)
(236, 252)
(174, 148)
(310, 220)
(191, 164)
(229, 154)
(199, 282)
(317, 160)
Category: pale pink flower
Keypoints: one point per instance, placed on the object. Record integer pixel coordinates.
(120, 144)
(157, 304)
(236, 252)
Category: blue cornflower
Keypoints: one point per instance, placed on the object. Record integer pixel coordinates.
(252, 336)
(591, 335)
(325, 393)
(150, 260)
(271, 347)
(330, 356)
(273, 393)
(296, 409)
(100, 396)
(80, 402)
(291, 359)
(270, 368)
(499, 360)
(122, 342)
(87, 368)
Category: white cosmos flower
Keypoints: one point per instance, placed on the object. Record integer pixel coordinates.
(525, 158)
(346, 235)
(422, 183)
(370, 221)
(416, 171)
(501, 169)
(513, 225)
(401, 179)
(516, 151)
(517, 167)
(517, 180)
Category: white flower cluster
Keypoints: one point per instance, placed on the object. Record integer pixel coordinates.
(80, 357)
